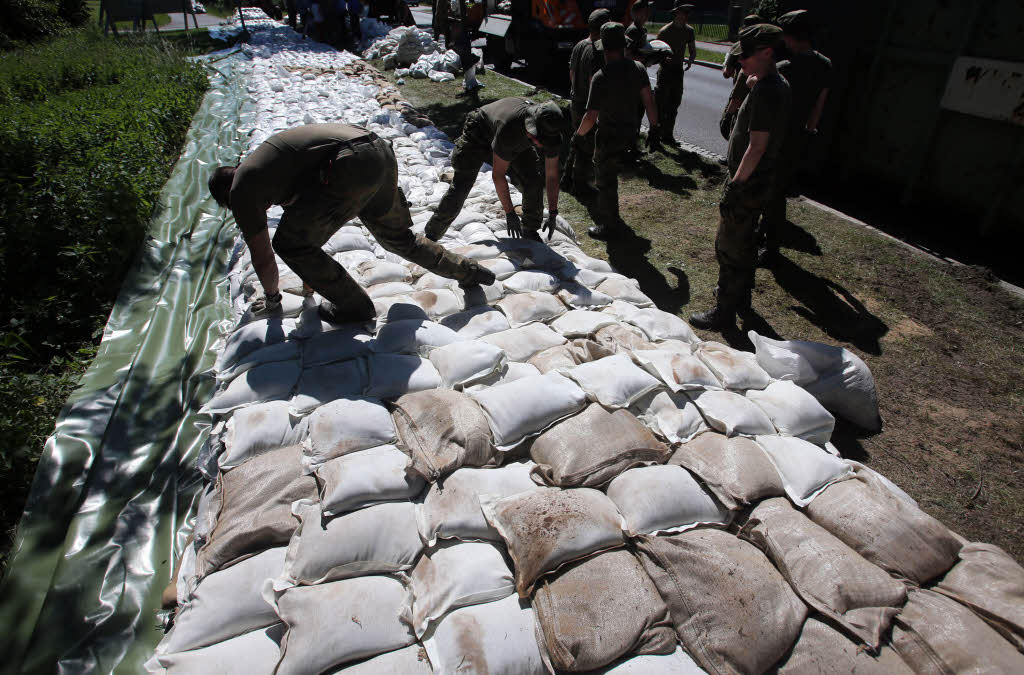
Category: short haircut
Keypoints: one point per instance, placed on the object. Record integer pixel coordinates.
(220, 184)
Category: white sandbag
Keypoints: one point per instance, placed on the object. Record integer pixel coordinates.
(335, 623)
(659, 325)
(226, 604)
(457, 574)
(581, 323)
(525, 407)
(496, 638)
(479, 294)
(544, 529)
(676, 663)
(291, 307)
(794, 412)
(621, 337)
(477, 322)
(411, 660)
(388, 288)
(837, 377)
(528, 307)
(522, 343)
(451, 508)
(673, 416)
(501, 267)
(579, 296)
(379, 539)
(267, 382)
(733, 368)
(413, 337)
(258, 428)
(622, 311)
(626, 290)
(252, 337)
(344, 426)
(322, 384)
(397, 308)
(477, 232)
(586, 262)
(374, 272)
(680, 372)
(360, 479)
(350, 260)
(590, 279)
(438, 303)
(254, 653)
(663, 499)
(532, 280)
(510, 373)
(735, 469)
(731, 413)
(467, 216)
(342, 344)
(465, 362)
(614, 381)
(430, 281)
(346, 239)
(805, 468)
(569, 355)
(394, 375)
(282, 351)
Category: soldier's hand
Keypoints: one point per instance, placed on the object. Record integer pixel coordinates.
(266, 304)
(725, 124)
(513, 226)
(687, 66)
(549, 224)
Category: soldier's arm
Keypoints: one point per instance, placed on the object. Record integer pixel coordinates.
(588, 122)
(263, 260)
(815, 116)
(499, 167)
(692, 47)
(752, 157)
(551, 179)
(649, 105)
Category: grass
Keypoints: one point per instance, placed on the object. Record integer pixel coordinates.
(944, 343)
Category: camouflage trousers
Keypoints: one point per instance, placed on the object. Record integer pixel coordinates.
(736, 241)
(611, 154)
(787, 167)
(668, 97)
(361, 181)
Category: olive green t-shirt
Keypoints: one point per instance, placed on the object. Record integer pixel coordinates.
(505, 121)
(584, 61)
(807, 73)
(281, 166)
(677, 37)
(615, 93)
(636, 37)
(766, 108)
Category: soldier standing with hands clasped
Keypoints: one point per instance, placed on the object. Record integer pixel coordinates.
(584, 61)
(752, 156)
(669, 92)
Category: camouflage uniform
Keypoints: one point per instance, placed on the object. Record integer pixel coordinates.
(669, 91)
(585, 60)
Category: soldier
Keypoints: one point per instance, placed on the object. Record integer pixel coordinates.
(752, 155)
(669, 93)
(636, 44)
(507, 134)
(614, 94)
(583, 63)
(324, 175)
(739, 81)
(808, 73)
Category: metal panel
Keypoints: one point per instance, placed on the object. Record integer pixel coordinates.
(496, 25)
(986, 88)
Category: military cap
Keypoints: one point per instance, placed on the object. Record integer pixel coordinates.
(598, 18)
(640, 4)
(613, 36)
(797, 23)
(753, 38)
(753, 20)
(682, 7)
(546, 122)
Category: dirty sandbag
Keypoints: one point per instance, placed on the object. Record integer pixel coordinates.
(544, 529)
(594, 446)
(578, 296)
(373, 272)
(794, 412)
(254, 653)
(849, 590)
(599, 609)
(805, 468)
(991, 583)
(467, 361)
(411, 660)
(394, 375)
(620, 337)
(614, 381)
(322, 384)
(457, 574)
(442, 430)
(568, 355)
(379, 539)
(438, 303)
(255, 511)
(736, 370)
(823, 650)
(522, 343)
(672, 416)
(731, 413)
(451, 508)
(522, 408)
(581, 323)
(531, 306)
(266, 382)
(893, 534)
(226, 604)
(477, 322)
(335, 623)
(413, 337)
(365, 478)
(736, 469)
(430, 281)
(343, 426)
(936, 634)
(660, 325)
(676, 663)
(663, 499)
(679, 371)
(258, 428)
(625, 289)
(733, 612)
(497, 638)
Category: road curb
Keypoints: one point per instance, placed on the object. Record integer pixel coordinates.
(709, 64)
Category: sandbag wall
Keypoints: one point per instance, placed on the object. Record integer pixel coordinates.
(547, 474)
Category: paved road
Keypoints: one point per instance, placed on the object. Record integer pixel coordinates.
(705, 93)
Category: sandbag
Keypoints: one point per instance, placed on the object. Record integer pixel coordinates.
(794, 412)
(525, 407)
(591, 448)
(347, 239)
(255, 508)
(321, 384)
(265, 382)
(935, 634)
(680, 372)
(823, 650)
(614, 381)
(430, 281)
(522, 343)
(390, 288)
(544, 529)
(528, 307)
(991, 583)
(465, 362)
(411, 660)
(659, 325)
(673, 416)
(733, 368)
(379, 539)
(457, 574)
(663, 499)
(619, 337)
(579, 296)
(805, 468)
(599, 609)
(289, 350)
(250, 338)
(394, 375)
(364, 478)
(568, 355)
(343, 426)
(731, 413)
(340, 344)
(438, 303)
(496, 638)
(511, 372)
(442, 430)
(258, 428)
(897, 536)
(733, 612)
(254, 653)
(335, 623)
(413, 337)
(847, 589)
(451, 508)
(532, 280)
(477, 322)
(501, 267)
(736, 469)
(626, 290)
(676, 663)
(374, 272)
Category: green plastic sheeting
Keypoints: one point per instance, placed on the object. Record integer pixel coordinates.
(108, 508)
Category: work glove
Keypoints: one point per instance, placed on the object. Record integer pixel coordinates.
(550, 223)
(654, 138)
(513, 226)
(266, 304)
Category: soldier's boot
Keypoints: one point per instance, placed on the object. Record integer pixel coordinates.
(445, 263)
(532, 235)
(358, 307)
(717, 318)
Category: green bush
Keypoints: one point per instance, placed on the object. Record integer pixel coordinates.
(26, 21)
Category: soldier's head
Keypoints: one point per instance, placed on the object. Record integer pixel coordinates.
(757, 48)
(545, 124)
(220, 184)
(796, 29)
(681, 13)
(613, 40)
(641, 12)
(752, 20)
(598, 18)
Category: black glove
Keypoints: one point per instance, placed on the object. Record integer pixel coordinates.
(549, 224)
(513, 227)
(653, 138)
(725, 124)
